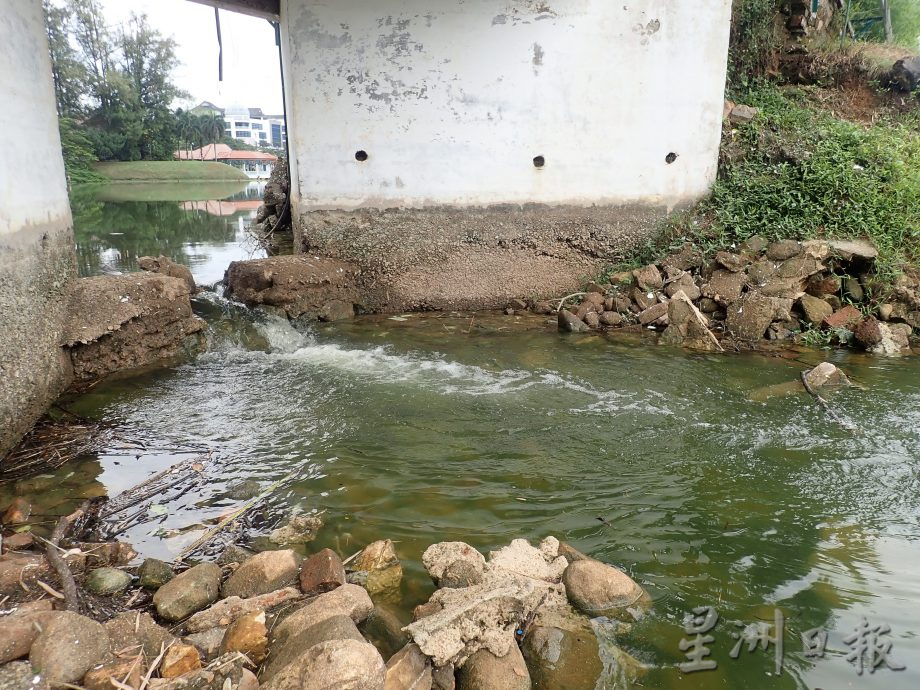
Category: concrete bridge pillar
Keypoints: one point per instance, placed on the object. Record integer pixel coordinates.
(37, 259)
(462, 153)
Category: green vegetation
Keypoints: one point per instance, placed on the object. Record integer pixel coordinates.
(797, 172)
(77, 149)
(113, 86)
(169, 171)
(754, 40)
(807, 174)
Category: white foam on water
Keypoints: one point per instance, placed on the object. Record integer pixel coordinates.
(431, 372)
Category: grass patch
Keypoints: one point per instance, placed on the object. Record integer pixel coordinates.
(169, 171)
(165, 191)
(797, 172)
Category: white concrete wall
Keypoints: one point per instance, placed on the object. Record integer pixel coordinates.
(37, 262)
(453, 99)
(33, 187)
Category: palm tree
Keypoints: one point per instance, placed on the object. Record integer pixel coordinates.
(211, 127)
(187, 130)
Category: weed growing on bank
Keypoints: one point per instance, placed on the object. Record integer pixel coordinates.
(797, 172)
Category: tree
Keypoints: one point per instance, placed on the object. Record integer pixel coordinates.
(211, 126)
(96, 47)
(67, 72)
(117, 82)
(78, 152)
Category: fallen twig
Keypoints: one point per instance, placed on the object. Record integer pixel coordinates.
(827, 408)
(57, 561)
(568, 297)
(207, 536)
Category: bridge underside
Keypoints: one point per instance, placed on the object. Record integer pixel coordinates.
(268, 9)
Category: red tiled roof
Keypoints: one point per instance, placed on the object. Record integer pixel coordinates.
(222, 152)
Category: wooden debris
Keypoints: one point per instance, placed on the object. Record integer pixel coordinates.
(235, 515)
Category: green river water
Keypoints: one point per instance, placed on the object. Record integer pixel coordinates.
(421, 428)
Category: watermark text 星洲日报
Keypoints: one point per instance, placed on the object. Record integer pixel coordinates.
(869, 647)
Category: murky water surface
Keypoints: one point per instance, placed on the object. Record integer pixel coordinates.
(672, 465)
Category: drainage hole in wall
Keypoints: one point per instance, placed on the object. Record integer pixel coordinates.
(539, 162)
(361, 156)
(670, 158)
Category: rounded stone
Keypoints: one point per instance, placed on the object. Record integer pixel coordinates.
(68, 647)
(154, 573)
(350, 664)
(598, 589)
(485, 671)
(106, 581)
(189, 592)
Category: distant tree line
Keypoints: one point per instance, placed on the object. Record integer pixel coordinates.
(114, 88)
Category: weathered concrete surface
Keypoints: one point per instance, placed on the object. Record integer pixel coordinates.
(126, 322)
(36, 241)
(454, 181)
(472, 258)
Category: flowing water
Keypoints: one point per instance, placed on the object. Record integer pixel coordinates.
(692, 472)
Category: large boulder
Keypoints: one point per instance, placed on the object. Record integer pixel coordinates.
(814, 309)
(322, 572)
(561, 659)
(409, 669)
(247, 635)
(570, 323)
(598, 589)
(333, 665)
(263, 573)
(283, 654)
(724, 286)
(189, 592)
(895, 339)
(517, 583)
(486, 671)
(133, 630)
(381, 565)
(750, 317)
(68, 647)
(299, 284)
(826, 374)
(347, 600)
(20, 630)
(228, 610)
(129, 321)
(449, 561)
(521, 557)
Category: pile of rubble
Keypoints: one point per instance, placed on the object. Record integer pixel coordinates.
(758, 291)
(525, 617)
(274, 215)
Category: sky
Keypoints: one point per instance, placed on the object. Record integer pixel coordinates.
(252, 77)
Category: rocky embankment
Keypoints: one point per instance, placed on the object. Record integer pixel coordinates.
(525, 617)
(758, 292)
